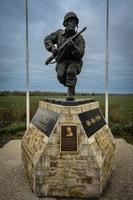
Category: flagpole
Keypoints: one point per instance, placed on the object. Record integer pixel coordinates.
(27, 67)
(107, 63)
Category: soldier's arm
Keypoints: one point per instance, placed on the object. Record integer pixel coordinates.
(79, 49)
(50, 40)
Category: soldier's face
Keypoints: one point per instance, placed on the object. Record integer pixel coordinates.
(71, 24)
(69, 130)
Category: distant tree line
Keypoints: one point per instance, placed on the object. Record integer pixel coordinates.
(48, 93)
(41, 93)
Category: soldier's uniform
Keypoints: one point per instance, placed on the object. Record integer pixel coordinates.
(70, 61)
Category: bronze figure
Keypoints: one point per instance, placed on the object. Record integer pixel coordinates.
(67, 47)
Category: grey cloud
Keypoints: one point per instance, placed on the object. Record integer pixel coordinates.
(47, 16)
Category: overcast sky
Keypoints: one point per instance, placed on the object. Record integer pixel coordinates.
(46, 16)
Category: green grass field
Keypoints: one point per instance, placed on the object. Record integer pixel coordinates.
(13, 114)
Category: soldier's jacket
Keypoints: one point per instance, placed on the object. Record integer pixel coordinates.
(59, 37)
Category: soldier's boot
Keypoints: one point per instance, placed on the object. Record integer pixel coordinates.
(71, 93)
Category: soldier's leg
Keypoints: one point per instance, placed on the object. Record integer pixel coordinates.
(71, 73)
(71, 80)
(61, 72)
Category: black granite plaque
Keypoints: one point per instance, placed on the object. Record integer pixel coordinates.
(92, 121)
(69, 139)
(45, 120)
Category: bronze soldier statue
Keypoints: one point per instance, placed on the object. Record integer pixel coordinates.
(68, 48)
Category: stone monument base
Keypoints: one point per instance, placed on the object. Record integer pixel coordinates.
(68, 149)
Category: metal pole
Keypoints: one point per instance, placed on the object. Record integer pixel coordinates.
(27, 68)
(107, 63)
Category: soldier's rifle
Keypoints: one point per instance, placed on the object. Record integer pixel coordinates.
(63, 46)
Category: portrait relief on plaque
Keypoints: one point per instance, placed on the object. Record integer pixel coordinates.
(69, 132)
(68, 138)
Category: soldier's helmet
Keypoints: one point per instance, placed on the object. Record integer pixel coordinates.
(68, 16)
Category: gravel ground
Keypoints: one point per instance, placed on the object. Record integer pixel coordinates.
(14, 186)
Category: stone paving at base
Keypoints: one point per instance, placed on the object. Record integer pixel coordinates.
(14, 184)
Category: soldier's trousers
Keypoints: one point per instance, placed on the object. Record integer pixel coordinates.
(67, 72)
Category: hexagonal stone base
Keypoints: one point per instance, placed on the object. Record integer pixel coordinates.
(68, 149)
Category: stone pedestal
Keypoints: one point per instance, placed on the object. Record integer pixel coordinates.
(68, 149)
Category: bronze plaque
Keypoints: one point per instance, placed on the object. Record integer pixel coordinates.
(92, 121)
(69, 139)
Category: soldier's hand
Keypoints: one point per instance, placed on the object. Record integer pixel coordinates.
(72, 43)
(55, 50)
(69, 42)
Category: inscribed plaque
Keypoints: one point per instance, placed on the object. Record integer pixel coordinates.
(92, 121)
(45, 120)
(69, 139)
